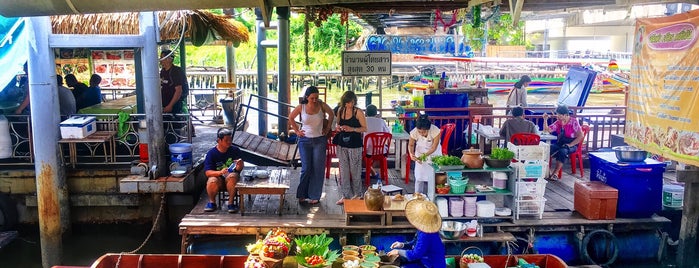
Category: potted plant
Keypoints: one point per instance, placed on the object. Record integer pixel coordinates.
(499, 158)
(313, 251)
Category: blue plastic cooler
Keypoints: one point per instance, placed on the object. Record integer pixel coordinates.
(640, 184)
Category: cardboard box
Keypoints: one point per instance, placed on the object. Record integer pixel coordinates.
(595, 200)
(530, 152)
(78, 127)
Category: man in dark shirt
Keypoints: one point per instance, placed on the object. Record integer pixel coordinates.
(216, 165)
(173, 84)
(93, 95)
(517, 124)
(79, 90)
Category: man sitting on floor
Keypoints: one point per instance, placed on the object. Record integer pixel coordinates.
(517, 124)
(216, 164)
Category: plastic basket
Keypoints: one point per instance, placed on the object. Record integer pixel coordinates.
(478, 251)
(531, 189)
(458, 186)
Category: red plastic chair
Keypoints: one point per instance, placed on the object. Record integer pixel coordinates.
(380, 142)
(525, 139)
(446, 131)
(576, 157)
(330, 153)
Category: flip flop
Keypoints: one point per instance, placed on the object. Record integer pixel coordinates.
(340, 202)
(302, 200)
(313, 201)
(553, 177)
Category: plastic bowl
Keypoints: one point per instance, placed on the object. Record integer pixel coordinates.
(178, 173)
(629, 154)
(452, 229)
(496, 163)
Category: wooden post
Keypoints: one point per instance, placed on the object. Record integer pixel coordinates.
(690, 215)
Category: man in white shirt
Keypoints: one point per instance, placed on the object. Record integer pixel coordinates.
(374, 123)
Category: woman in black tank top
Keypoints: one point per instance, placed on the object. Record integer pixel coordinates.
(351, 124)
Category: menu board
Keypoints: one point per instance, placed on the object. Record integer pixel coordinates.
(116, 67)
(663, 115)
(73, 61)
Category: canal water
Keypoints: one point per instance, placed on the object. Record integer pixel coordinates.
(86, 244)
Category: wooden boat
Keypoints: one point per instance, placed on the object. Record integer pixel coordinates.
(236, 261)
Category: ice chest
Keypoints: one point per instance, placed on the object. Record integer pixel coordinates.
(640, 184)
(78, 127)
(595, 200)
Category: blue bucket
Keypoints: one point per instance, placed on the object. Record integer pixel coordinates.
(181, 153)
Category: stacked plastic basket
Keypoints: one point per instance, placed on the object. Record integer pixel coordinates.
(529, 184)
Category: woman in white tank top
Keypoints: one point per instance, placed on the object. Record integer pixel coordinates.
(312, 143)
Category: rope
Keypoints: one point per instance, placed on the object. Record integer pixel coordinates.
(152, 230)
(612, 243)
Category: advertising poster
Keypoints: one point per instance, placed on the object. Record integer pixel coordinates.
(116, 67)
(663, 115)
(73, 61)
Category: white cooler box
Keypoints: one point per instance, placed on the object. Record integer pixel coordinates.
(78, 127)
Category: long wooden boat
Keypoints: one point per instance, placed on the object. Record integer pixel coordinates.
(237, 261)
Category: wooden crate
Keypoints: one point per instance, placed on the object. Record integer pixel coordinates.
(595, 200)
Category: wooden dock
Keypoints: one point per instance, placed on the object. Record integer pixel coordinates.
(300, 219)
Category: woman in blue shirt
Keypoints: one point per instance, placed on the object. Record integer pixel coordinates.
(427, 249)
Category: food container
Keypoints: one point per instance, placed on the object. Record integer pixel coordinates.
(452, 229)
(629, 154)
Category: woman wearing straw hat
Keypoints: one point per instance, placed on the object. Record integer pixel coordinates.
(426, 250)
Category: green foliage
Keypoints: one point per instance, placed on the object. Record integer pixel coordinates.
(307, 246)
(502, 154)
(447, 160)
(326, 44)
(501, 31)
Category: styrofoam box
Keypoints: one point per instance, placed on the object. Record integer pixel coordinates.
(530, 152)
(78, 127)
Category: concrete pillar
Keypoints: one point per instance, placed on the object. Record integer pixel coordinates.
(261, 73)
(283, 48)
(151, 93)
(51, 187)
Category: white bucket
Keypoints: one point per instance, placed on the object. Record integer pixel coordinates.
(499, 180)
(673, 195)
(5, 140)
(181, 153)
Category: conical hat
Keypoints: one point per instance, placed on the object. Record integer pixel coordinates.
(424, 215)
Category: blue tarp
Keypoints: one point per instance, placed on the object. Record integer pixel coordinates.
(13, 51)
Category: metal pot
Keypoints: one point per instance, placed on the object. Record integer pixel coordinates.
(629, 154)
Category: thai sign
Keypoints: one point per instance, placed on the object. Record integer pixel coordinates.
(663, 115)
(361, 63)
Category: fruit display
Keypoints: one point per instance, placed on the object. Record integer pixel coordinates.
(254, 263)
(471, 258)
(275, 245)
(313, 251)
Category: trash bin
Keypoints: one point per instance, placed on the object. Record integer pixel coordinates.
(229, 111)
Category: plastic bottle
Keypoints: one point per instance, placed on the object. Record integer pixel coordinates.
(442, 81)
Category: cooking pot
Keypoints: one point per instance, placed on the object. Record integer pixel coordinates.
(629, 154)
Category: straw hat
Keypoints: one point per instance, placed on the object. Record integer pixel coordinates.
(424, 215)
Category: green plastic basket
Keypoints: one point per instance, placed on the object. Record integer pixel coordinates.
(458, 186)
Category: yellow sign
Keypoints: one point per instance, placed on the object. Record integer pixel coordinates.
(663, 111)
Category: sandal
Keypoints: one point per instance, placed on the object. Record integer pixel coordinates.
(553, 177)
(302, 200)
(313, 202)
(340, 202)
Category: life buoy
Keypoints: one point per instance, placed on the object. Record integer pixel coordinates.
(8, 213)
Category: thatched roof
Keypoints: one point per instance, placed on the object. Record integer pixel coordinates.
(201, 26)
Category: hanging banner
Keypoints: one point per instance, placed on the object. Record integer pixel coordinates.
(663, 111)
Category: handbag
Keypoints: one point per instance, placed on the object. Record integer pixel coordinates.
(337, 138)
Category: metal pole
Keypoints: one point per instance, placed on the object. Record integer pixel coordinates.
(230, 55)
(284, 93)
(153, 104)
(51, 187)
(261, 73)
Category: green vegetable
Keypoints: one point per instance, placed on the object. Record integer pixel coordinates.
(447, 160)
(307, 246)
(502, 154)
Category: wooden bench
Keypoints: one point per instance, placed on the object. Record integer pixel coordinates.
(356, 207)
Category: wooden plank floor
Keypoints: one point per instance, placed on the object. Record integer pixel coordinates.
(261, 210)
